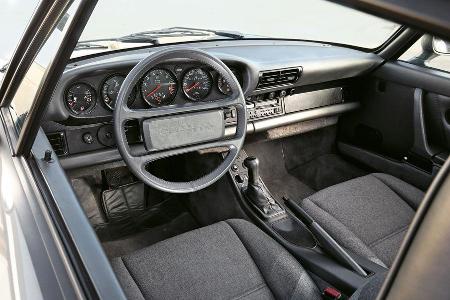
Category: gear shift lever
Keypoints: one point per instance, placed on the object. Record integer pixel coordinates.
(257, 193)
(252, 164)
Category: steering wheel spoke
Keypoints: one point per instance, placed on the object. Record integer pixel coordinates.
(151, 156)
(143, 114)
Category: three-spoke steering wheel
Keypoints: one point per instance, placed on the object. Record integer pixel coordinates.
(180, 128)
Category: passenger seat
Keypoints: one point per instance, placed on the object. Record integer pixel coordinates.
(368, 215)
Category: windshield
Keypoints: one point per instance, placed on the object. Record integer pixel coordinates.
(117, 24)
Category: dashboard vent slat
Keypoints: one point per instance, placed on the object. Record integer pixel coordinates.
(58, 142)
(273, 78)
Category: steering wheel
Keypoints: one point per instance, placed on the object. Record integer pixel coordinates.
(179, 128)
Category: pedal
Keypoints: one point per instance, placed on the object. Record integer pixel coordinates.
(116, 177)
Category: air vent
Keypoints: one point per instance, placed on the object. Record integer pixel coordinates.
(58, 142)
(268, 79)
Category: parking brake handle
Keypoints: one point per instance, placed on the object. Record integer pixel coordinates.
(327, 242)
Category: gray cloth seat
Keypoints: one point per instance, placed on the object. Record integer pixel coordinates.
(368, 215)
(228, 260)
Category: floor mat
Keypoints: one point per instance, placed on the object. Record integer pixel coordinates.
(183, 223)
(300, 165)
(325, 171)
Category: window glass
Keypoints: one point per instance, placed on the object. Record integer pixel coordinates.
(115, 24)
(423, 54)
(16, 14)
(29, 86)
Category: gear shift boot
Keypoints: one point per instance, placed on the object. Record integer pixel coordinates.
(257, 193)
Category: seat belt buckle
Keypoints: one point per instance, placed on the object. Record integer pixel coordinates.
(331, 293)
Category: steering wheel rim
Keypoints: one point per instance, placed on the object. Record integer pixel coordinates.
(138, 160)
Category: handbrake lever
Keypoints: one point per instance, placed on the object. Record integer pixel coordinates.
(327, 242)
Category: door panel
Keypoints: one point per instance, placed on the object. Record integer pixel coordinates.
(385, 120)
(403, 127)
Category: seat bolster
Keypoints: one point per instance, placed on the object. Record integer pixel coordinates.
(339, 231)
(129, 286)
(282, 272)
(410, 194)
(368, 215)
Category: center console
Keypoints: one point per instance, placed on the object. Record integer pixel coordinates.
(342, 270)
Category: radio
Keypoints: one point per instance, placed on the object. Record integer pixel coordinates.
(265, 108)
(260, 107)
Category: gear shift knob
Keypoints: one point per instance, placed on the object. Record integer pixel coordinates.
(252, 164)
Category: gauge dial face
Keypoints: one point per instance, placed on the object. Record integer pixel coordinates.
(111, 88)
(159, 87)
(197, 84)
(80, 98)
(223, 86)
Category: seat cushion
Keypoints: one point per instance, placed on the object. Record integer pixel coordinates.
(368, 215)
(228, 260)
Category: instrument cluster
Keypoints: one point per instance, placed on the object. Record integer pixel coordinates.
(162, 85)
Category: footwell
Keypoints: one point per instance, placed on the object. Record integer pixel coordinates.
(298, 166)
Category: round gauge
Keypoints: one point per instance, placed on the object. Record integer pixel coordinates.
(110, 90)
(223, 86)
(197, 84)
(159, 87)
(80, 98)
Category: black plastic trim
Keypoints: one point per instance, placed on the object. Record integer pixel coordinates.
(401, 169)
(402, 42)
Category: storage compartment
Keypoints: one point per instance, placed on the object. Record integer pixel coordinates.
(313, 99)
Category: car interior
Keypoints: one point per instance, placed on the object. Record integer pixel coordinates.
(251, 168)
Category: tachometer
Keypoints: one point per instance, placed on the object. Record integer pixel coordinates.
(197, 84)
(80, 98)
(159, 87)
(110, 90)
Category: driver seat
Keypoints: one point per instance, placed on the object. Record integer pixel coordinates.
(232, 259)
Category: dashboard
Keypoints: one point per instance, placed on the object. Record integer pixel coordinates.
(284, 83)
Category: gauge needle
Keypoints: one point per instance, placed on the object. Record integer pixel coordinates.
(192, 86)
(154, 91)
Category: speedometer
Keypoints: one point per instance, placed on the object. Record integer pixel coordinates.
(159, 87)
(197, 84)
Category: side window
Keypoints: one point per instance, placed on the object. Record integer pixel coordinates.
(429, 52)
(16, 14)
(29, 86)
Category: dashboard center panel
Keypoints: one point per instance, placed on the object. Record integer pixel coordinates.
(182, 130)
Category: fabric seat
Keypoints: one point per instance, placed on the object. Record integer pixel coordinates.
(228, 260)
(368, 215)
